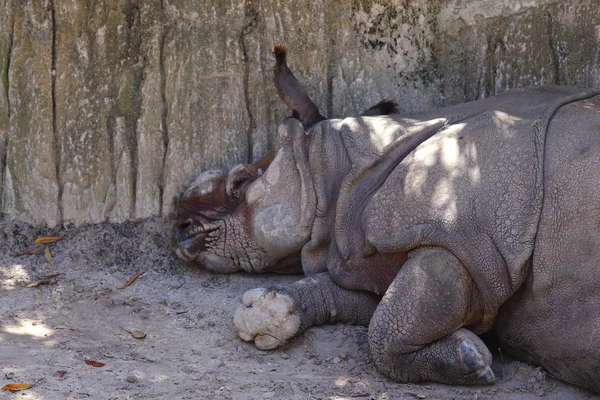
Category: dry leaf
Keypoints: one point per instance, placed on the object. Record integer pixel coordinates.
(49, 276)
(46, 239)
(28, 252)
(47, 255)
(15, 387)
(95, 363)
(137, 334)
(44, 280)
(133, 278)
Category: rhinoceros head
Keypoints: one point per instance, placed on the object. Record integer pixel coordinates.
(255, 218)
(258, 216)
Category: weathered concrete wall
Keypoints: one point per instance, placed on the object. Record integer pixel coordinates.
(108, 107)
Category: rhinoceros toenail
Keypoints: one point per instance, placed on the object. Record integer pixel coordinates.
(487, 377)
(470, 355)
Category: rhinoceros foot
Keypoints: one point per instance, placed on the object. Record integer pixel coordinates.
(473, 360)
(267, 317)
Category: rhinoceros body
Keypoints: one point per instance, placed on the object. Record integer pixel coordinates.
(429, 228)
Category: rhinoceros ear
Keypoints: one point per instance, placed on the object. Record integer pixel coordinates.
(384, 107)
(243, 175)
(292, 93)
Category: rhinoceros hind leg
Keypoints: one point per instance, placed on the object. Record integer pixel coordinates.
(416, 332)
(266, 317)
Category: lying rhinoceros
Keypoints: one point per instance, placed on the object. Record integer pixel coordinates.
(429, 228)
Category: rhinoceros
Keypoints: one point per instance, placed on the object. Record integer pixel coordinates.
(429, 228)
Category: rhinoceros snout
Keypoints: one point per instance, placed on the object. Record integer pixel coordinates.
(187, 241)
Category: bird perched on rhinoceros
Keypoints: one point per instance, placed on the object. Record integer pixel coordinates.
(428, 228)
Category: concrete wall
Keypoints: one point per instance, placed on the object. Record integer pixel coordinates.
(108, 107)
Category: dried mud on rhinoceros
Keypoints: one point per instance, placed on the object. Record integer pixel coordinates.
(430, 229)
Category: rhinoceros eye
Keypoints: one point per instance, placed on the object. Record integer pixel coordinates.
(238, 183)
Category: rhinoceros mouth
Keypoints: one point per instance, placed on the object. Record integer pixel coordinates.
(191, 239)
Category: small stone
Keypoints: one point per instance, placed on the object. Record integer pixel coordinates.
(268, 395)
(132, 379)
(360, 389)
(79, 288)
(50, 344)
(9, 375)
(188, 369)
(60, 374)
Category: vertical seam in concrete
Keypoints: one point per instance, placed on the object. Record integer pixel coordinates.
(7, 68)
(4, 155)
(4, 161)
(110, 130)
(134, 151)
(553, 50)
(164, 114)
(251, 20)
(330, 72)
(54, 130)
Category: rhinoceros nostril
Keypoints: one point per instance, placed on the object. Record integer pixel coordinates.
(186, 223)
(181, 228)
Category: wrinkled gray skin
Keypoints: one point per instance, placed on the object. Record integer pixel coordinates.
(430, 229)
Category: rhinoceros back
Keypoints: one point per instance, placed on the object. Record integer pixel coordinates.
(473, 185)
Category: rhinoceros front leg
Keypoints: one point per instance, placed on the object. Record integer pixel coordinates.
(417, 334)
(270, 317)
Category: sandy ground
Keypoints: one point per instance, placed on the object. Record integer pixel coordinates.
(191, 350)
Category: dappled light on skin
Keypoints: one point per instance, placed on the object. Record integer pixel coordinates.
(420, 126)
(12, 275)
(459, 157)
(418, 171)
(381, 132)
(450, 153)
(504, 122)
(454, 159)
(444, 200)
(384, 131)
(430, 154)
(28, 327)
(473, 168)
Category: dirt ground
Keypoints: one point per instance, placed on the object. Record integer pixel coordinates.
(191, 350)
